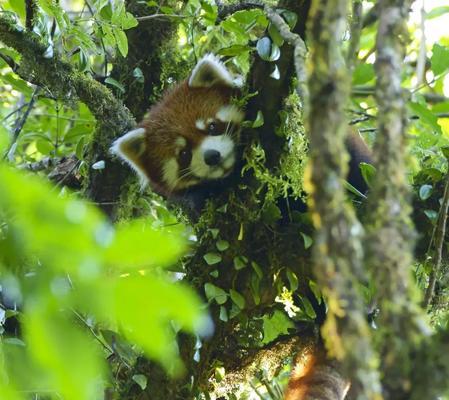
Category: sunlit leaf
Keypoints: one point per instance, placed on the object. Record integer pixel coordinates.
(440, 59)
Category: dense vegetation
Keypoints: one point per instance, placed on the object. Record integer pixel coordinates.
(109, 292)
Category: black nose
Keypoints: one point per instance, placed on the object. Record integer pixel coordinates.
(212, 157)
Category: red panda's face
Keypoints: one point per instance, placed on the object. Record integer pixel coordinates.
(190, 136)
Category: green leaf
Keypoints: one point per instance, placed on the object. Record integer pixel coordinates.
(79, 150)
(215, 293)
(247, 17)
(308, 241)
(425, 191)
(234, 50)
(259, 121)
(116, 84)
(223, 314)
(316, 291)
(445, 151)
(106, 11)
(237, 298)
(425, 115)
(129, 21)
(437, 12)
(141, 380)
(440, 59)
(214, 232)
(240, 262)
(212, 258)
(290, 18)
(292, 279)
(368, 173)
(267, 50)
(138, 74)
(275, 35)
(232, 26)
(432, 215)
(122, 41)
(363, 73)
(257, 269)
(136, 245)
(255, 288)
(222, 245)
(275, 325)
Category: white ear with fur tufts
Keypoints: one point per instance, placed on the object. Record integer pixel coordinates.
(210, 71)
(129, 148)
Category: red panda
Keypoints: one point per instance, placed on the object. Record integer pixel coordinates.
(190, 136)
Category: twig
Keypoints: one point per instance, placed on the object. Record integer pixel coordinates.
(421, 62)
(440, 232)
(300, 52)
(8, 60)
(356, 29)
(21, 122)
(154, 16)
(18, 109)
(80, 318)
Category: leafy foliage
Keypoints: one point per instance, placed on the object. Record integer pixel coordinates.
(81, 277)
(89, 291)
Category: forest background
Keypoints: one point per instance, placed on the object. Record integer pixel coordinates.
(110, 292)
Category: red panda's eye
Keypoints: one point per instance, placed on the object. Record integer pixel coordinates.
(212, 129)
(184, 158)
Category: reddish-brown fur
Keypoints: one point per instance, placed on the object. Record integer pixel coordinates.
(314, 377)
(175, 116)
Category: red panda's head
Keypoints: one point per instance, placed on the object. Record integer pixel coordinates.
(190, 136)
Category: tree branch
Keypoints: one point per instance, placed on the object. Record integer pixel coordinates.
(391, 234)
(30, 11)
(440, 232)
(338, 252)
(299, 54)
(19, 126)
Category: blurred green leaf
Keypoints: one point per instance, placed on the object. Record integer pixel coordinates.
(439, 59)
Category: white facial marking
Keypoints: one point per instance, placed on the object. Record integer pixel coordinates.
(230, 113)
(225, 146)
(200, 124)
(170, 172)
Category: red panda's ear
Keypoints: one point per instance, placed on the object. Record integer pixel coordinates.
(130, 148)
(210, 71)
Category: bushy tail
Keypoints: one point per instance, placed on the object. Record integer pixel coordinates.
(314, 377)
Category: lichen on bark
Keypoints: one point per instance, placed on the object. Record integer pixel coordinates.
(338, 253)
(390, 231)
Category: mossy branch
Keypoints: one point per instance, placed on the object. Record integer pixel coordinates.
(391, 233)
(56, 75)
(338, 249)
(299, 53)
